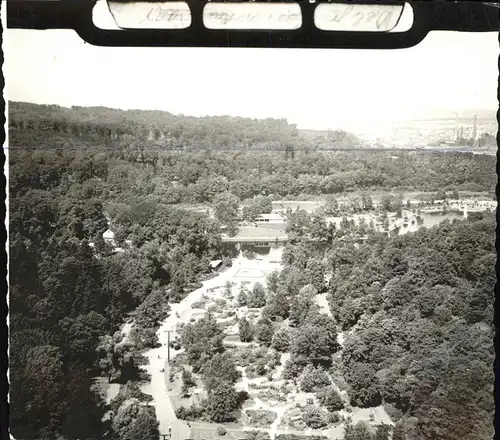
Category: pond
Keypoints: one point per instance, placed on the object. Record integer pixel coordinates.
(426, 220)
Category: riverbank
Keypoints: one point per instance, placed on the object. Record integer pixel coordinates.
(314, 203)
(165, 396)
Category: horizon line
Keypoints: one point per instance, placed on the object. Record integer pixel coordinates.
(297, 125)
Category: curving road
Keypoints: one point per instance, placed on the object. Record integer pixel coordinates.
(158, 388)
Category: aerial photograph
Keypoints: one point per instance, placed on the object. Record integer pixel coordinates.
(251, 244)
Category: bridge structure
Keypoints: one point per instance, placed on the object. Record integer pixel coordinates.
(258, 236)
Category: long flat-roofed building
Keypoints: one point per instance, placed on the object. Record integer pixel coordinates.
(270, 218)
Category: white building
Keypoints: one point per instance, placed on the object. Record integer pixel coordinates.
(272, 218)
(109, 237)
(215, 264)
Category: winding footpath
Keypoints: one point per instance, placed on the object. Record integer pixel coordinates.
(158, 387)
(181, 313)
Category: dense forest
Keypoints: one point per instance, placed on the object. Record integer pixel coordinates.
(164, 130)
(417, 315)
(289, 168)
(73, 170)
(65, 295)
(158, 127)
(416, 312)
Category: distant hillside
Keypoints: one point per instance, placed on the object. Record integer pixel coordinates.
(156, 127)
(337, 139)
(159, 129)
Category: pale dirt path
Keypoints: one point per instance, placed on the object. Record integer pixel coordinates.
(112, 392)
(379, 415)
(260, 404)
(333, 433)
(323, 305)
(341, 338)
(279, 370)
(181, 313)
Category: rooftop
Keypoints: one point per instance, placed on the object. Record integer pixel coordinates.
(215, 263)
(108, 234)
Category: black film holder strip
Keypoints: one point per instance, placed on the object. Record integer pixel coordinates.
(358, 24)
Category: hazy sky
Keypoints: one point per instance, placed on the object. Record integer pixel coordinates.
(355, 90)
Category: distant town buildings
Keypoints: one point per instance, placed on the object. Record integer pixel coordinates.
(465, 130)
(473, 205)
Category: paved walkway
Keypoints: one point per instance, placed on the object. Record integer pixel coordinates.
(181, 313)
